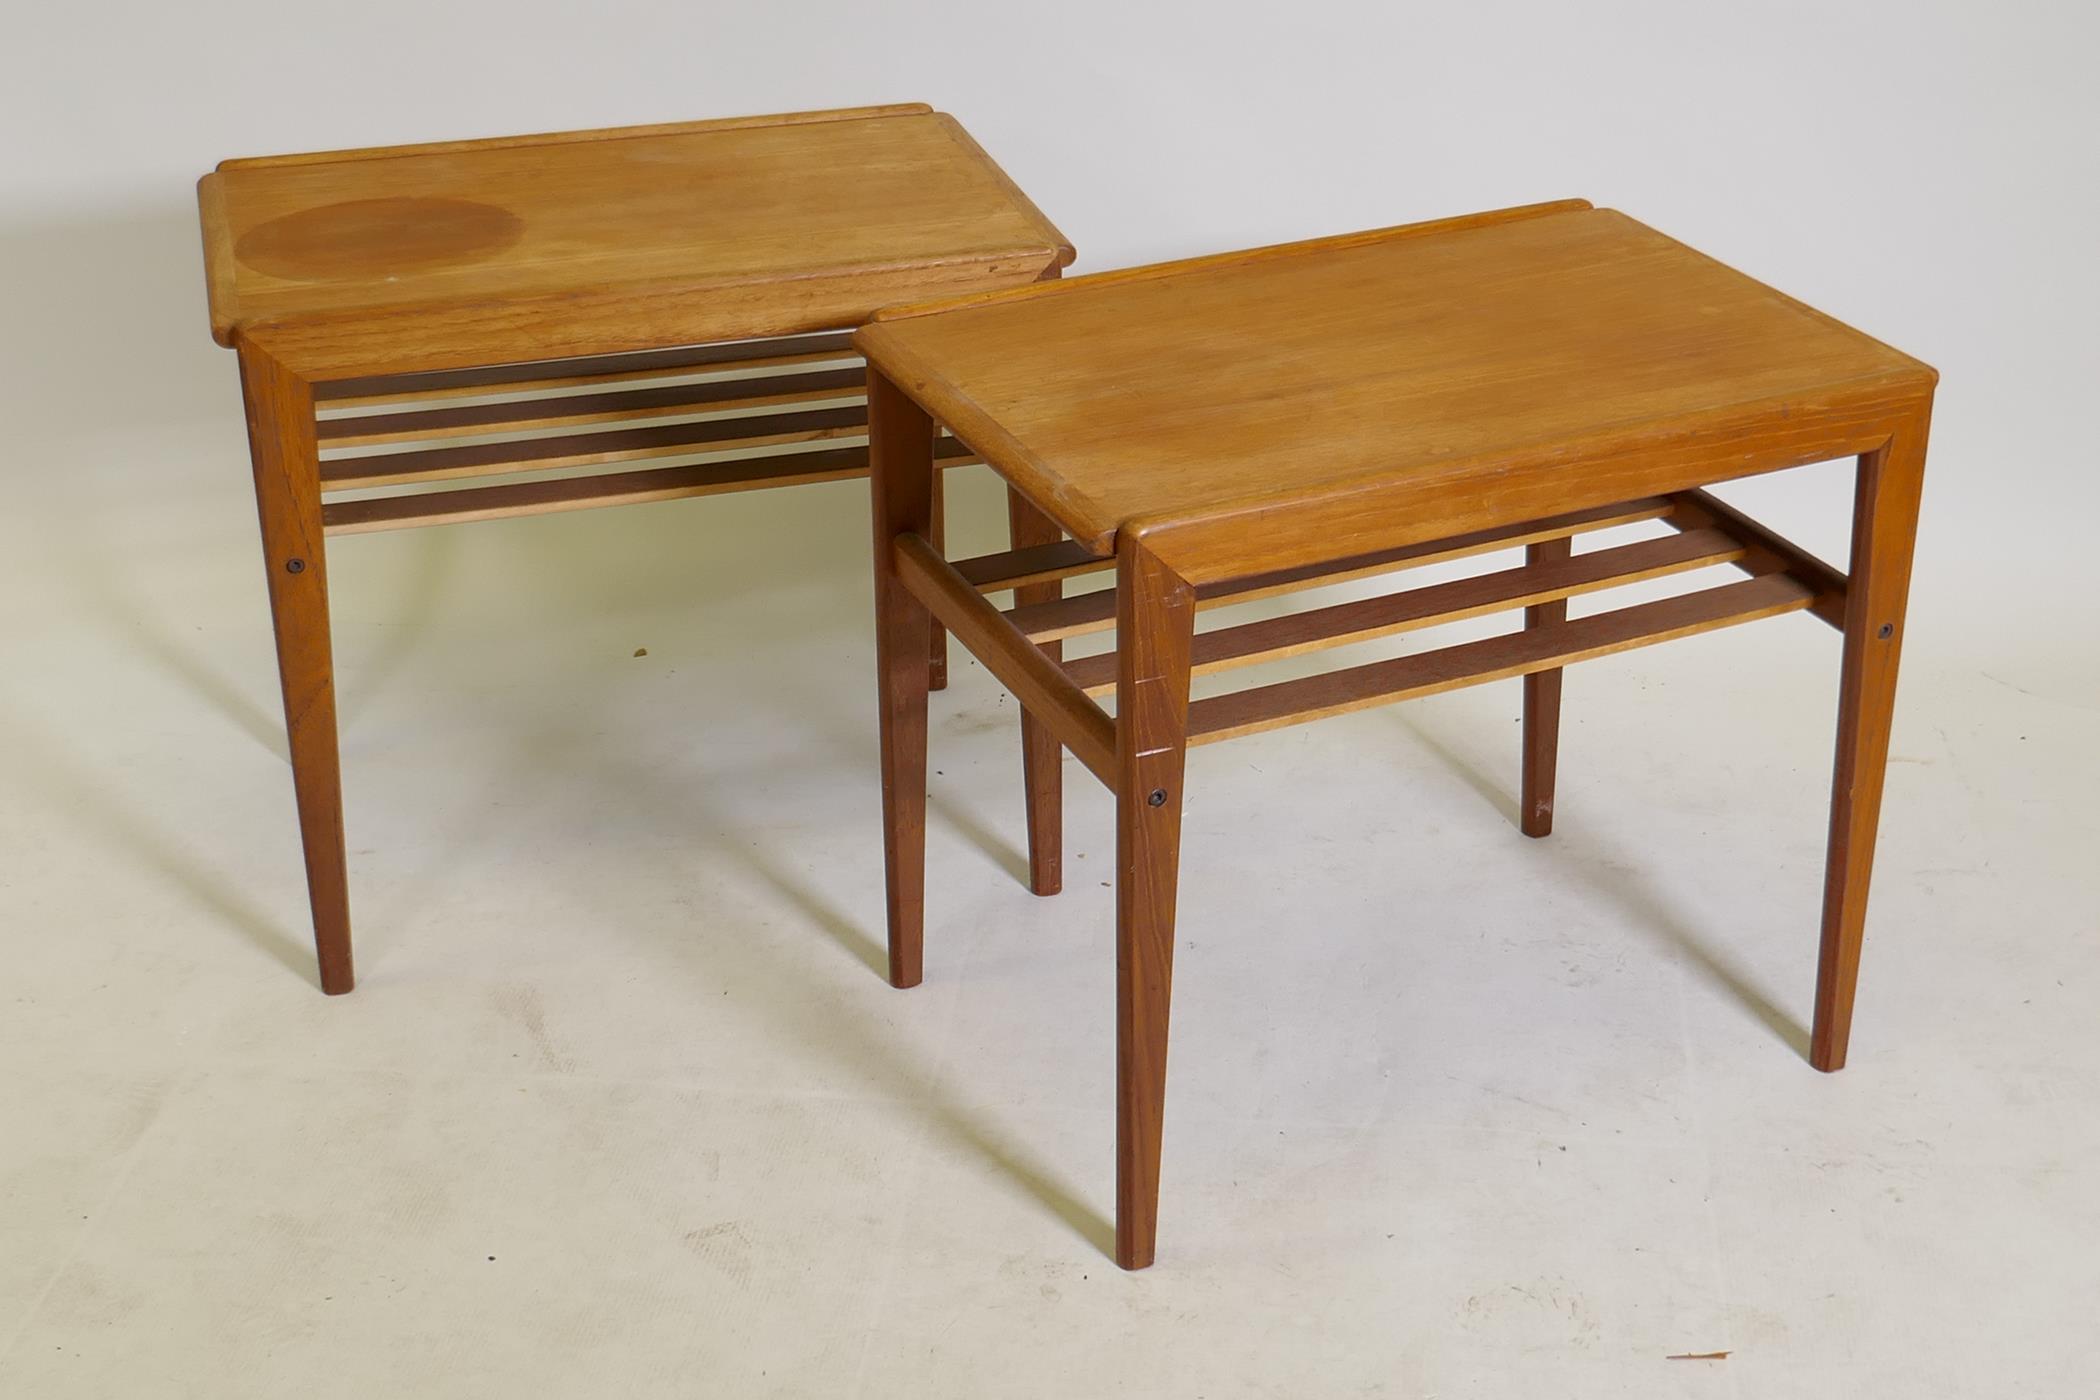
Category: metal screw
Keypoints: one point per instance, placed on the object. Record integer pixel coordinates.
(295, 566)
(1888, 630)
(1158, 797)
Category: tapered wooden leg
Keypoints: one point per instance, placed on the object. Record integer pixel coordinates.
(1155, 617)
(1042, 757)
(1541, 707)
(282, 448)
(902, 486)
(936, 635)
(1884, 527)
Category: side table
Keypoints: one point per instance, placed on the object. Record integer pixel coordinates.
(1240, 426)
(668, 300)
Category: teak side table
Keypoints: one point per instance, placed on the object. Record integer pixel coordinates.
(1241, 426)
(674, 300)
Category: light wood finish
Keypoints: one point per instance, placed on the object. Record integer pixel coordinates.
(288, 500)
(421, 259)
(1156, 616)
(1244, 257)
(565, 321)
(1250, 425)
(1884, 531)
(1261, 413)
(1541, 718)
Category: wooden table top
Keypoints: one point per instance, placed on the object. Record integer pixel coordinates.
(813, 218)
(1444, 358)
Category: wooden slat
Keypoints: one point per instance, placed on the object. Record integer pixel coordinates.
(1765, 551)
(607, 489)
(587, 369)
(1494, 658)
(591, 449)
(624, 404)
(1017, 568)
(1033, 678)
(1092, 612)
(1362, 620)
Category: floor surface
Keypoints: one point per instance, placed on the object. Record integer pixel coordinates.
(621, 1105)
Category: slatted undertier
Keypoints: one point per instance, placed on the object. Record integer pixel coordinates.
(1779, 578)
(526, 439)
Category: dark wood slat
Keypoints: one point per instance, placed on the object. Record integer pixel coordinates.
(1493, 658)
(608, 489)
(610, 406)
(1033, 678)
(590, 449)
(1018, 568)
(541, 373)
(1366, 618)
(1093, 612)
(1765, 551)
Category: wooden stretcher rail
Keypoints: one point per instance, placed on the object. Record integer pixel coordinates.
(499, 502)
(1095, 612)
(588, 369)
(591, 449)
(1367, 618)
(1542, 648)
(626, 403)
(1021, 666)
(1764, 551)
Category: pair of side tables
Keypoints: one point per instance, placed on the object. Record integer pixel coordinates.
(473, 330)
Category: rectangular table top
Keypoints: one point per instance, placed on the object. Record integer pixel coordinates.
(1440, 357)
(873, 203)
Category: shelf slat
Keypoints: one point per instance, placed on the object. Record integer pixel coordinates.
(1764, 550)
(1095, 612)
(625, 404)
(1364, 619)
(1493, 658)
(499, 502)
(591, 449)
(1042, 563)
(586, 369)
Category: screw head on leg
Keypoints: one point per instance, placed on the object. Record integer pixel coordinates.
(1888, 630)
(295, 566)
(1157, 797)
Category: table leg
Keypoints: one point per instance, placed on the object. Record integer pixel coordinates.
(903, 490)
(937, 635)
(1155, 619)
(1042, 757)
(1541, 707)
(281, 446)
(1884, 527)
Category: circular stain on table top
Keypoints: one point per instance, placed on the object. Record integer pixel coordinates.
(368, 238)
